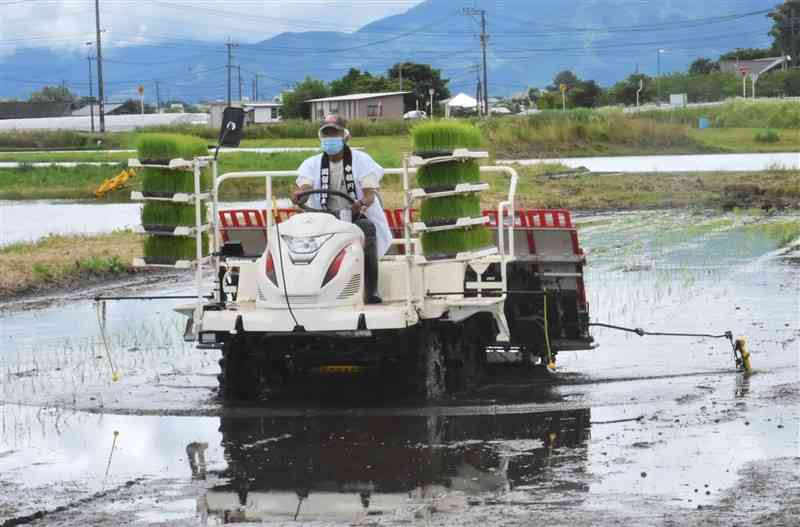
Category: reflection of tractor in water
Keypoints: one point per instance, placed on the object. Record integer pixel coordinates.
(343, 469)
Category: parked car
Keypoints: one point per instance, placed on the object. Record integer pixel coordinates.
(416, 114)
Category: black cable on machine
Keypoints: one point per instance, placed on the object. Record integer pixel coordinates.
(297, 327)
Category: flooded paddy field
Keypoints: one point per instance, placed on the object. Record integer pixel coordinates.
(640, 431)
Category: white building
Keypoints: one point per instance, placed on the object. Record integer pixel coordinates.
(255, 112)
(386, 105)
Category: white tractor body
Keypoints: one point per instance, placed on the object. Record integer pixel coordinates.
(312, 261)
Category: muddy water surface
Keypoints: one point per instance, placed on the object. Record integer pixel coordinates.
(639, 431)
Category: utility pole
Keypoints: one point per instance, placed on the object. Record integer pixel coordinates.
(100, 89)
(158, 97)
(484, 41)
(257, 75)
(255, 98)
(91, 91)
(793, 38)
(230, 45)
(478, 92)
(239, 74)
(89, 59)
(658, 76)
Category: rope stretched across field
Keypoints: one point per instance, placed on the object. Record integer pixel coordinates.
(639, 331)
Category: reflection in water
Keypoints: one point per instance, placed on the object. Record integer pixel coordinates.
(348, 468)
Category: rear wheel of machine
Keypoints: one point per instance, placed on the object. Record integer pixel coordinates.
(430, 378)
(240, 372)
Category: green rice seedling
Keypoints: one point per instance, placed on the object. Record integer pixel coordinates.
(170, 146)
(449, 174)
(167, 249)
(452, 207)
(445, 243)
(169, 214)
(439, 137)
(173, 181)
(442, 137)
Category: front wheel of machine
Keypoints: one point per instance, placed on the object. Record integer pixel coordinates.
(430, 379)
(240, 375)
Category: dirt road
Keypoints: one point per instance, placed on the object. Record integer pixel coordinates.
(637, 432)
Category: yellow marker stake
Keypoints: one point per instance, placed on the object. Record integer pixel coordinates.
(741, 345)
(551, 363)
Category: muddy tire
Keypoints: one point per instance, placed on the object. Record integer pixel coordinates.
(240, 373)
(431, 365)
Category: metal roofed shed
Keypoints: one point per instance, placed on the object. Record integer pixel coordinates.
(386, 105)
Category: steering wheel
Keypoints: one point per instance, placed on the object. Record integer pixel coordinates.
(329, 192)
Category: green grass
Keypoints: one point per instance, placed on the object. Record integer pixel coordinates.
(444, 136)
(452, 242)
(736, 114)
(22, 139)
(741, 140)
(452, 207)
(28, 182)
(170, 146)
(449, 174)
(77, 156)
(581, 134)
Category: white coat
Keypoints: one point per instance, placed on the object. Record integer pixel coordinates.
(367, 174)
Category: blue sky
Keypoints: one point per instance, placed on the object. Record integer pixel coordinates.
(65, 24)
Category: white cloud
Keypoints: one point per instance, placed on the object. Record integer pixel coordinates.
(67, 24)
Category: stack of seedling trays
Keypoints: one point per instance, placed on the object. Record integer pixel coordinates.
(168, 164)
(449, 222)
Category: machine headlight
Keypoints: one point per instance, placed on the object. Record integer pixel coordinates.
(306, 245)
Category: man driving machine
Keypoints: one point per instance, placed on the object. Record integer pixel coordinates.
(355, 174)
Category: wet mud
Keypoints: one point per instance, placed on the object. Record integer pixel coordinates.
(641, 431)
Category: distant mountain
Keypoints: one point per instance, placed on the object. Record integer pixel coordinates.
(530, 41)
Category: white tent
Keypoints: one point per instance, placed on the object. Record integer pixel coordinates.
(462, 100)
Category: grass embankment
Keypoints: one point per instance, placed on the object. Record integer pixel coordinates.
(771, 189)
(66, 261)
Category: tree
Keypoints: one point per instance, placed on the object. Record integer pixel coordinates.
(357, 82)
(624, 92)
(585, 94)
(534, 94)
(294, 101)
(53, 94)
(747, 54)
(786, 29)
(564, 77)
(703, 66)
(419, 79)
